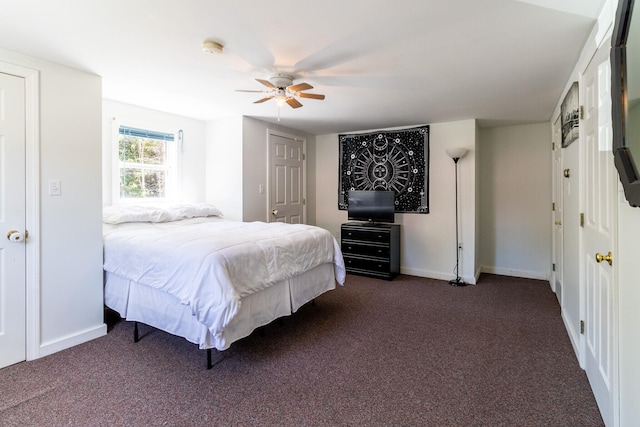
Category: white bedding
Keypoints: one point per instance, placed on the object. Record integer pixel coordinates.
(210, 263)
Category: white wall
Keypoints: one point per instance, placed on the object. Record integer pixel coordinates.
(191, 162)
(515, 200)
(224, 170)
(70, 235)
(427, 240)
(629, 312)
(628, 280)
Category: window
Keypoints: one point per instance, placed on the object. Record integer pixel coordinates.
(146, 161)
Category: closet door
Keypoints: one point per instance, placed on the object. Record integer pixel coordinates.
(598, 254)
(558, 218)
(12, 220)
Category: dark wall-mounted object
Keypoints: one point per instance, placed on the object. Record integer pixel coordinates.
(625, 97)
(371, 206)
(395, 160)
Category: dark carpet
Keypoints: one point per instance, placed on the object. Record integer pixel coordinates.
(410, 352)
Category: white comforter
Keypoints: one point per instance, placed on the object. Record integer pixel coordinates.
(210, 263)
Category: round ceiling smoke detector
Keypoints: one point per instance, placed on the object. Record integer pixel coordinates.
(212, 47)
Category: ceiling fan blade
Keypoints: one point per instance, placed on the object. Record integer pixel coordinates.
(299, 87)
(311, 95)
(253, 91)
(263, 99)
(293, 103)
(267, 83)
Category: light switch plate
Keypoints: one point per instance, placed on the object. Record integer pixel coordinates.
(54, 187)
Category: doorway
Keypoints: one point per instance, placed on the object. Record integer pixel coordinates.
(598, 262)
(12, 220)
(29, 222)
(287, 178)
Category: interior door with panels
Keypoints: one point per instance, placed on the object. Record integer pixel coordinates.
(12, 220)
(598, 258)
(558, 219)
(286, 179)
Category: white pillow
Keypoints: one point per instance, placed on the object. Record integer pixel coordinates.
(192, 210)
(136, 213)
(120, 214)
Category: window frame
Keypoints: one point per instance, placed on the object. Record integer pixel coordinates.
(172, 183)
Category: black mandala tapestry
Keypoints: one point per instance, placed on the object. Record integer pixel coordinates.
(395, 160)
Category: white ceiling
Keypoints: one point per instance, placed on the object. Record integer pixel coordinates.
(380, 63)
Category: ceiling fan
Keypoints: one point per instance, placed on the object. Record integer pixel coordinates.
(281, 88)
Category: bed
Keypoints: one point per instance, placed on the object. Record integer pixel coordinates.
(188, 271)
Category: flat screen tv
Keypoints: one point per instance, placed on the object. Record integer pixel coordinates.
(372, 206)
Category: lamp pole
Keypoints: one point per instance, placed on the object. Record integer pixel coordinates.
(456, 154)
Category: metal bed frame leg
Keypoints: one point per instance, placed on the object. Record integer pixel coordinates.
(136, 337)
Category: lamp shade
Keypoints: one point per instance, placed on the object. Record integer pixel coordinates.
(457, 152)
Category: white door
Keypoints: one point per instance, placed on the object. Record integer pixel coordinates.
(286, 179)
(598, 302)
(12, 220)
(557, 211)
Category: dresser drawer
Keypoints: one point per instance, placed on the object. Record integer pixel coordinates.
(366, 264)
(369, 235)
(360, 248)
(371, 249)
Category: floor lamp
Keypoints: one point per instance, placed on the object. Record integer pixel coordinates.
(456, 154)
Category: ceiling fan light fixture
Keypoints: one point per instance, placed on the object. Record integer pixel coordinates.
(281, 88)
(281, 80)
(209, 46)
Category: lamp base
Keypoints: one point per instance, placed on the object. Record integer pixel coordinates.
(457, 282)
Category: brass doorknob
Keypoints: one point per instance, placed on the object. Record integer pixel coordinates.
(558, 222)
(16, 236)
(607, 257)
(274, 212)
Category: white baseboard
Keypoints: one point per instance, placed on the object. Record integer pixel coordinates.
(438, 275)
(53, 346)
(515, 273)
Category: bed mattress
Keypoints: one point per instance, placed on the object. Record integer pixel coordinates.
(212, 280)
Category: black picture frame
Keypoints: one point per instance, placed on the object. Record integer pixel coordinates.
(570, 116)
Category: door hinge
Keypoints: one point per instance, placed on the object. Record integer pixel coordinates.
(304, 201)
(553, 267)
(581, 112)
(553, 146)
(581, 219)
(304, 156)
(553, 206)
(582, 327)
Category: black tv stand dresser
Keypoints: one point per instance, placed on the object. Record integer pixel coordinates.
(371, 249)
